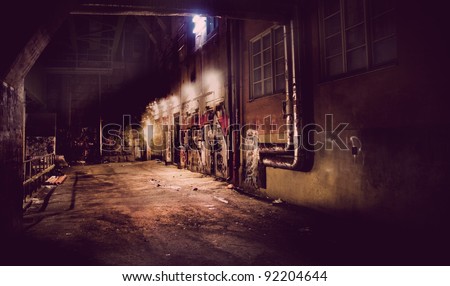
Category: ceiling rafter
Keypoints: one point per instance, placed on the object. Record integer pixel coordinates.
(248, 9)
(118, 35)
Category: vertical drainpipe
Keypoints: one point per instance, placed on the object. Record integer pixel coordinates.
(100, 115)
(233, 98)
(290, 92)
(237, 101)
(295, 156)
(230, 96)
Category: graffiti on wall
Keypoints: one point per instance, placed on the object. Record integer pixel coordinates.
(39, 146)
(251, 161)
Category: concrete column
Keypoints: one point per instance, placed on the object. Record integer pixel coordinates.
(12, 119)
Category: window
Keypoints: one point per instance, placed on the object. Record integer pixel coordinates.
(268, 63)
(204, 29)
(357, 35)
(211, 25)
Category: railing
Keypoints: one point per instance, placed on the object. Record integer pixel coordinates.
(34, 171)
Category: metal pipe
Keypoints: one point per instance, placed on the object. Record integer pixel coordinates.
(300, 159)
(233, 36)
(290, 81)
(100, 116)
(230, 95)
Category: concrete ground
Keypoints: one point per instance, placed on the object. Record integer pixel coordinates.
(146, 213)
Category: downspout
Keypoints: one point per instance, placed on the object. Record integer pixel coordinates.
(233, 99)
(294, 156)
(236, 137)
(230, 95)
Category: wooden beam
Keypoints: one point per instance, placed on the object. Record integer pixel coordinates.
(117, 36)
(147, 29)
(37, 176)
(73, 34)
(161, 24)
(236, 9)
(35, 97)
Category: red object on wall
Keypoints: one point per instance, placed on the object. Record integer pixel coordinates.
(222, 118)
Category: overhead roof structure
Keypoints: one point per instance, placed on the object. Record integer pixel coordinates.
(269, 10)
(28, 31)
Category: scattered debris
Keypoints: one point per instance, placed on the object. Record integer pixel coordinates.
(26, 205)
(230, 186)
(51, 180)
(195, 189)
(36, 201)
(221, 200)
(158, 185)
(60, 161)
(277, 201)
(56, 180)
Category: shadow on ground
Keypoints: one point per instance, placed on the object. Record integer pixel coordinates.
(149, 214)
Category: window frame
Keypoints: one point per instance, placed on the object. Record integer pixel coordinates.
(273, 59)
(369, 41)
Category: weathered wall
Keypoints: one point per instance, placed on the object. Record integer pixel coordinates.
(255, 111)
(12, 110)
(23, 42)
(262, 117)
(398, 115)
(198, 98)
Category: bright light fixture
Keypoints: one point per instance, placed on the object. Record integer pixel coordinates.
(200, 24)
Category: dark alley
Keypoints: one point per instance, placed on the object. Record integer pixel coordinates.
(224, 132)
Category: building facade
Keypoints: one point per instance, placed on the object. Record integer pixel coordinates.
(332, 108)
